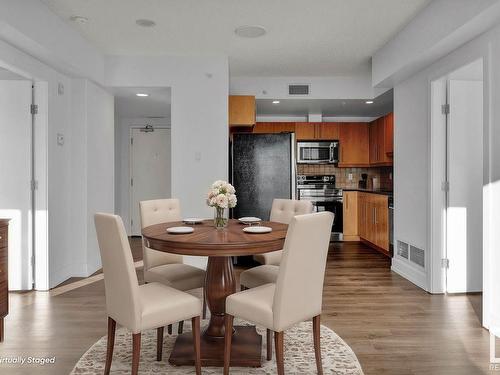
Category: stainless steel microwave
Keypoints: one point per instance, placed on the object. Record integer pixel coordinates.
(318, 152)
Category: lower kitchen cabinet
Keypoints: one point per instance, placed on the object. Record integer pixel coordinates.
(373, 220)
(350, 216)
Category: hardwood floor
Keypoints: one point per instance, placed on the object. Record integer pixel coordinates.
(392, 326)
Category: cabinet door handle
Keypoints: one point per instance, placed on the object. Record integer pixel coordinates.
(375, 213)
(347, 202)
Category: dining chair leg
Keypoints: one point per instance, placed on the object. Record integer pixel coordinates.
(278, 343)
(204, 306)
(169, 329)
(111, 344)
(159, 343)
(136, 352)
(228, 335)
(181, 327)
(317, 344)
(195, 322)
(269, 345)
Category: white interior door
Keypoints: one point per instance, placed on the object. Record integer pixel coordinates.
(465, 197)
(15, 177)
(150, 170)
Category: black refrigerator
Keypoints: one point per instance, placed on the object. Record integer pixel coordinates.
(262, 169)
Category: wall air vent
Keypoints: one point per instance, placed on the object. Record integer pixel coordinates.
(403, 249)
(417, 256)
(298, 89)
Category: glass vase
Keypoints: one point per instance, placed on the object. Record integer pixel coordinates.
(221, 217)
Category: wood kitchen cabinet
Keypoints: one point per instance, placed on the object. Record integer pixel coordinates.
(354, 144)
(241, 110)
(373, 220)
(350, 216)
(327, 131)
(381, 141)
(311, 131)
(274, 127)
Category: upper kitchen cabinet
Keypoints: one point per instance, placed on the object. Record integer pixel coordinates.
(309, 131)
(274, 127)
(389, 134)
(381, 141)
(241, 110)
(354, 144)
(305, 131)
(328, 131)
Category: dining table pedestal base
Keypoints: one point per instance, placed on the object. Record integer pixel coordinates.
(246, 349)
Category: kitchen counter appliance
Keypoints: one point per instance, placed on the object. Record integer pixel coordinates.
(324, 196)
(318, 152)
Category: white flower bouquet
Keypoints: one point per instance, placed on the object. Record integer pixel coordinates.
(221, 196)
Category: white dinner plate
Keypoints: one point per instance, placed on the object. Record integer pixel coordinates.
(257, 229)
(180, 230)
(193, 220)
(249, 220)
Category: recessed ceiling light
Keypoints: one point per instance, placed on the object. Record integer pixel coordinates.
(369, 102)
(145, 23)
(276, 102)
(250, 31)
(141, 94)
(79, 19)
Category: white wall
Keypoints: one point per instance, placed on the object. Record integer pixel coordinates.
(412, 169)
(358, 87)
(198, 121)
(100, 165)
(122, 158)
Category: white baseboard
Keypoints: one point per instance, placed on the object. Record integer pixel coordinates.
(412, 274)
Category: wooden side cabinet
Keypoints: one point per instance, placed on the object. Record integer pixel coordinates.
(241, 110)
(4, 275)
(350, 215)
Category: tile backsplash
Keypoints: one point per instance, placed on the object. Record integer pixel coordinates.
(384, 174)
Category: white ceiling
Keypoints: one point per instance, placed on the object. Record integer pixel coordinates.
(129, 105)
(304, 38)
(382, 105)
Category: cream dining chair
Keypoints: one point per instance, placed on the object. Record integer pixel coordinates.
(138, 307)
(163, 267)
(282, 211)
(297, 294)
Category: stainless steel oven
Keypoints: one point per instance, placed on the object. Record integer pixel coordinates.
(318, 152)
(321, 191)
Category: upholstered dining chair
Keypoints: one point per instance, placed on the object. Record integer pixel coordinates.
(297, 294)
(138, 307)
(282, 211)
(163, 267)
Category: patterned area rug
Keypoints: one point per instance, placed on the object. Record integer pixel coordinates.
(338, 357)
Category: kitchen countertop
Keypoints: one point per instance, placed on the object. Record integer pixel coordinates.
(372, 191)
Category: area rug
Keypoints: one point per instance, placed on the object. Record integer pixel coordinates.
(338, 357)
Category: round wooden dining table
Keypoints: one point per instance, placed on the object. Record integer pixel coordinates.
(220, 246)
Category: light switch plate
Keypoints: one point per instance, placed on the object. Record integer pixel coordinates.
(60, 139)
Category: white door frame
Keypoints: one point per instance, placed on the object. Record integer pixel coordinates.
(130, 155)
(437, 202)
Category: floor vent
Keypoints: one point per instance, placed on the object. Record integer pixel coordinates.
(298, 89)
(403, 249)
(417, 256)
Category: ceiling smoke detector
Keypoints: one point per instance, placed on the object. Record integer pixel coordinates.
(145, 23)
(250, 31)
(79, 19)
